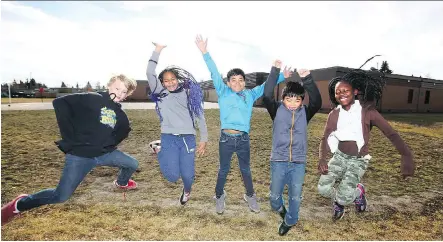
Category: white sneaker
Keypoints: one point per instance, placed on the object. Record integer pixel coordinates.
(220, 203)
(252, 202)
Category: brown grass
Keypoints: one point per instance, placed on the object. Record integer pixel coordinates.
(398, 209)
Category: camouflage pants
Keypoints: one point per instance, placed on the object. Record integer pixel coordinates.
(346, 169)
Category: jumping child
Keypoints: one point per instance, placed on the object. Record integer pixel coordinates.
(179, 102)
(289, 139)
(346, 135)
(236, 104)
(91, 126)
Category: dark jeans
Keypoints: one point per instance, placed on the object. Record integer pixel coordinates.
(293, 175)
(176, 158)
(75, 170)
(230, 143)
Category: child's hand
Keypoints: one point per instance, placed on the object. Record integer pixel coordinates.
(323, 167)
(277, 63)
(303, 72)
(201, 149)
(158, 47)
(202, 45)
(287, 72)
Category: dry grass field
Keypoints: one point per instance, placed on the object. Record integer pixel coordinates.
(397, 210)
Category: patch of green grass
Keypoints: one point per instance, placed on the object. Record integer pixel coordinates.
(398, 209)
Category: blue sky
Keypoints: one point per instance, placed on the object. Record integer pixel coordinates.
(76, 42)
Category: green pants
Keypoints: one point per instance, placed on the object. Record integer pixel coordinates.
(346, 169)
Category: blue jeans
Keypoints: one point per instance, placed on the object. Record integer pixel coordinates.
(293, 174)
(75, 170)
(176, 158)
(230, 143)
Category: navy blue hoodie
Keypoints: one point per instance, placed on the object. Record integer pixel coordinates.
(289, 131)
(90, 124)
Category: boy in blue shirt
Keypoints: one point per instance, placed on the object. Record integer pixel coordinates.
(235, 104)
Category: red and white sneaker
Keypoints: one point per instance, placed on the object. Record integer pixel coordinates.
(10, 209)
(130, 186)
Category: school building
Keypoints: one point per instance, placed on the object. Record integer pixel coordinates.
(401, 94)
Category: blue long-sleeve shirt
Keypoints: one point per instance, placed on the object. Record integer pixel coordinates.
(235, 108)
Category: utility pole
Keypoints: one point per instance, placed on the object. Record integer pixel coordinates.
(368, 61)
(9, 89)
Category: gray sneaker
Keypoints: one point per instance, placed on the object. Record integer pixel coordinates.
(252, 202)
(220, 203)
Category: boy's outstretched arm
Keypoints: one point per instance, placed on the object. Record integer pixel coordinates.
(258, 91)
(268, 98)
(154, 84)
(219, 85)
(407, 162)
(311, 88)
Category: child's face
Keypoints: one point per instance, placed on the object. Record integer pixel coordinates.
(236, 83)
(292, 103)
(119, 89)
(170, 81)
(344, 94)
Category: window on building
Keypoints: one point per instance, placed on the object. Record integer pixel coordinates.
(427, 96)
(410, 95)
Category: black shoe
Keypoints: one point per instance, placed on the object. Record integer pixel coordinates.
(284, 228)
(339, 211)
(184, 198)
(283, 213)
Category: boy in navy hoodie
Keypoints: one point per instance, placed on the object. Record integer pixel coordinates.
(91, 126)
(289, 140)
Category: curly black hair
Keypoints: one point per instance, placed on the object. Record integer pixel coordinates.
(179, 73)
(188, 84)
(369, 85)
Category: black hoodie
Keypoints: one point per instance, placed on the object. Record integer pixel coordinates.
(90, 124)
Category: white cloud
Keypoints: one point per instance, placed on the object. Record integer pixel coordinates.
(249, 35)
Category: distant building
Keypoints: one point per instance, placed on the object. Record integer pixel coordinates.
(401, 94)
(141, 92)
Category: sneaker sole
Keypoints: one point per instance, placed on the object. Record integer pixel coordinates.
(124, 188)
